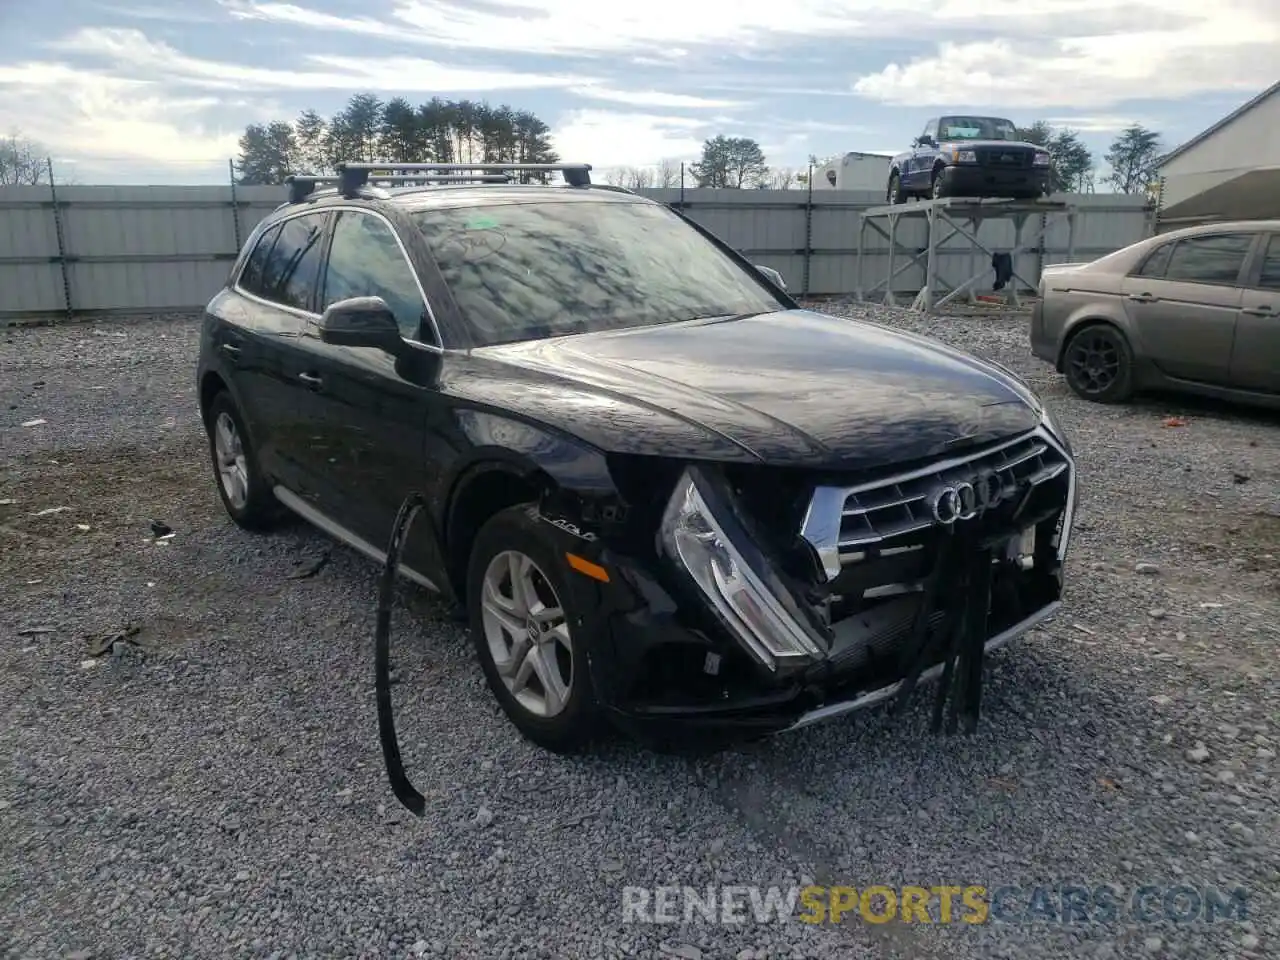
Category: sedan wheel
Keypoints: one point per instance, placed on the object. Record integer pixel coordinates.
(528, 636)
(1099, 365)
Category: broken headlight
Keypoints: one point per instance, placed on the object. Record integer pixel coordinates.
(1050, 423)
(695, 539)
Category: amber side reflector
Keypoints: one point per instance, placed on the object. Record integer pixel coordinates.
(587, 568)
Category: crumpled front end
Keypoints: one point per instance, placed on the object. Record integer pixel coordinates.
(772, 599)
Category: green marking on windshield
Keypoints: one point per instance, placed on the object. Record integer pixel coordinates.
(481, 223)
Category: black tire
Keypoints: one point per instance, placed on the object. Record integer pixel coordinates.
(1098, 364)
(577, 723)
(259, 510)
(894, 194)
(937, 188)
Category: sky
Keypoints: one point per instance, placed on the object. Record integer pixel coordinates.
(148, 91)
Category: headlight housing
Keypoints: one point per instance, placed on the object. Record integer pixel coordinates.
(964, 156)
(696, 540)
(1051, 424)
(1041, 160)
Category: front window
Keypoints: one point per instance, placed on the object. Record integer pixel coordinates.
(529, 270)
(977, 128)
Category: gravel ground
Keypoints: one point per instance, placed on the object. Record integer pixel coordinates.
(216, 790)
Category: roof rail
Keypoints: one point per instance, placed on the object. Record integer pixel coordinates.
(301, 187)
(353, 176)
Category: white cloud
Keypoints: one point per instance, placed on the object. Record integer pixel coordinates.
(1217, 48)
(92, 115)
(131, 52)
(652, 98)
(1100, 123)
(607, 139)
(549, 27)
(1082, 54)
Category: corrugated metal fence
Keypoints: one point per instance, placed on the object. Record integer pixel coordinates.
(86, 250)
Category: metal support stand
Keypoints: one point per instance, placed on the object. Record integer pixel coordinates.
(964, 217)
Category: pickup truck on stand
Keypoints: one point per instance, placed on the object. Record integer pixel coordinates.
(969, 157)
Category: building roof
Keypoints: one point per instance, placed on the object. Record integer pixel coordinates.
(1210, 131)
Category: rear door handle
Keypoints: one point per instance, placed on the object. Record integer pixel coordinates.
(1262, 311)
(231, 350)
(310, 379)
(1143, 297)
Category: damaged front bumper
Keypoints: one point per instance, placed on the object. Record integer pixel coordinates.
(666, 680)
(715, 639)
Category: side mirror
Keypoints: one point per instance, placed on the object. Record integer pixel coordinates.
(773, 276)
(361, 322)
(925, 141)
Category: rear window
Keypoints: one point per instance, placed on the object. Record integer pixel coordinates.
(530, 270)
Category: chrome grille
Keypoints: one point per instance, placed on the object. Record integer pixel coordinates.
(843, 522)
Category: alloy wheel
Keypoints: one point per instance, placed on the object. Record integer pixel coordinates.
(1095, 362)
(527, 633)
(233, 468)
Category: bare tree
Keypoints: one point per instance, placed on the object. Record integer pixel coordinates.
(668, 174)
(639, 178)
(633, 178)
(783, 178)
(21, 162)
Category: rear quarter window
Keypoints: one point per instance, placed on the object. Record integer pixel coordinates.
(251, 276)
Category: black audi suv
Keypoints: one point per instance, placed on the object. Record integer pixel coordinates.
(665, 497)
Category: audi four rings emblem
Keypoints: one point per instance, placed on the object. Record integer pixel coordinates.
(965, 500)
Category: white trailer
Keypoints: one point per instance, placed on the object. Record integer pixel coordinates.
(853, 171)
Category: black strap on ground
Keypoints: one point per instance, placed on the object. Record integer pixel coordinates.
(961, 579)
(405, 792)
(957, 632)
(920, 641)
(962, 670)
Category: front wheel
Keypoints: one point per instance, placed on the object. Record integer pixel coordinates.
(531, 644)
(1098, 364)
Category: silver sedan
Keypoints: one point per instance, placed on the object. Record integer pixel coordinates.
(1194, 310)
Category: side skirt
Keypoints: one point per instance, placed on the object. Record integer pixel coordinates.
(342, 534)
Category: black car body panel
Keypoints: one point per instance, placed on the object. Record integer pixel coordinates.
(794, 388)
(813, 442)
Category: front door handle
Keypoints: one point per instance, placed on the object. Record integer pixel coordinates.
(231, 350)
(1143, 297)
(310, 379)
(1262, 311)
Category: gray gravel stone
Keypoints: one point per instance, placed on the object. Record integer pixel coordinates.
(245, 740)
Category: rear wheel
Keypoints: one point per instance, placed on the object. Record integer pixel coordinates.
(1098, 364)
(894, 194)
(244, 491)
(531, 644)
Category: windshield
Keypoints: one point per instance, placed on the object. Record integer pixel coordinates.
(976, 128)
(524, 270)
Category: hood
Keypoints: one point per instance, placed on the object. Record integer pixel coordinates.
(792, 388)
(992, 145)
